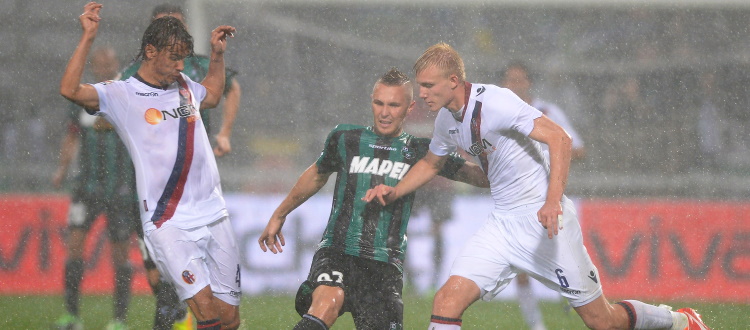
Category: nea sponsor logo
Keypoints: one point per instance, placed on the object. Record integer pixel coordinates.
(154, 116)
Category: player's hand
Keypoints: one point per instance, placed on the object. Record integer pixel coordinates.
(272, 238)
(219, 38)
(223, 146)
(382, 193)
(90, 18)
(550, 216)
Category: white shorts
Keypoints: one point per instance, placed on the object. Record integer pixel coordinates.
(513, 242)
(195, 258)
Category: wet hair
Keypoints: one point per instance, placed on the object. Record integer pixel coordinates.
(165, 32)
(442, 56)
(516, 64)
(394, 77)
(166, 8)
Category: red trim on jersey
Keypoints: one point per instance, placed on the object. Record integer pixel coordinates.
(467, 93)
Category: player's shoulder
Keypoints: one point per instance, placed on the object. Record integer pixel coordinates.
(347, 127)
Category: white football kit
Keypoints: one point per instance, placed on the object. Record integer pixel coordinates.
(177, 181)
(493, 127)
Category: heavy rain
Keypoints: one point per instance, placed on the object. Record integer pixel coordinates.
(654, 94)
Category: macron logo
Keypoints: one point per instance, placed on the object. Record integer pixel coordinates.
(147, 94)
(375, 166)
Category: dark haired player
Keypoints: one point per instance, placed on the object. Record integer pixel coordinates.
(155, 113)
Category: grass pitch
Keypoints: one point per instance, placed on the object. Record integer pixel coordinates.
(277, 312)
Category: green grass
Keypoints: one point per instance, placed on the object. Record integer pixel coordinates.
(277, 312)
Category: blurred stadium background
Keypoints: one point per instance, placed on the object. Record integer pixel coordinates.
(628, 73)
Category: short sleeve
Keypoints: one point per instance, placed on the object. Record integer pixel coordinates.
(506, 111)
(112, 100)
(441, 143)
(328, 161)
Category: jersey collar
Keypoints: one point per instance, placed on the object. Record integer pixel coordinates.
(459, 116)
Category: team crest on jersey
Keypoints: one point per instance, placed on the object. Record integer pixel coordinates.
(188, 277)
(407, 152)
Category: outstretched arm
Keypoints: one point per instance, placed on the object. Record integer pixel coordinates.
(214, 80)
(559, 142)
(231, 105)
(308, 184)
(70, 86)
(422, 172)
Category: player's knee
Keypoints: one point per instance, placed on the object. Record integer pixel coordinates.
(327, 303)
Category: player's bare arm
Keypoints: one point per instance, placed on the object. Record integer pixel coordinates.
(560, 145)
(70, 85)
(215, 78)
(231, 106)
(421, 173)
(308, 184)
(472, 174)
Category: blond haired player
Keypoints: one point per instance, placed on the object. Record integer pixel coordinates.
(533, 228)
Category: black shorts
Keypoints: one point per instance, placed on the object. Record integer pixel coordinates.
(372, 289)
(120, 215)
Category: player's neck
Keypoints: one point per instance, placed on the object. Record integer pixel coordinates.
(457, 104)
(147, 76)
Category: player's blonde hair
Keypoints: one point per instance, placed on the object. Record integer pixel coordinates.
(444, 57)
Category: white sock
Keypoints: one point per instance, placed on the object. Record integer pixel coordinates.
(679, 321)
(649, 316)
(530, 307)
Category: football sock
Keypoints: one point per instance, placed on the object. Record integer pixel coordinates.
(529, 307)
(123, 274)
(310, 322)
(168, 306)
(444, 323)
(645, 316)
(73, 277)
(214, 324)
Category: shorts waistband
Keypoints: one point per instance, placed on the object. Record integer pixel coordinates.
(524, 209)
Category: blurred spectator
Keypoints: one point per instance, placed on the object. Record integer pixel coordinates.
(105, 185)
(627, 126)
(710, 125)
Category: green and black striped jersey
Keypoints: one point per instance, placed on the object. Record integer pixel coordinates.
(362, 160)
(105, 170)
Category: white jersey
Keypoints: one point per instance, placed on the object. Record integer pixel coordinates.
(556, 114)
(176, 174)
(515, 166)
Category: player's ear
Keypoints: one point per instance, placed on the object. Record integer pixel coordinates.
(411, 107)
(150, 52)
(455, 82)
